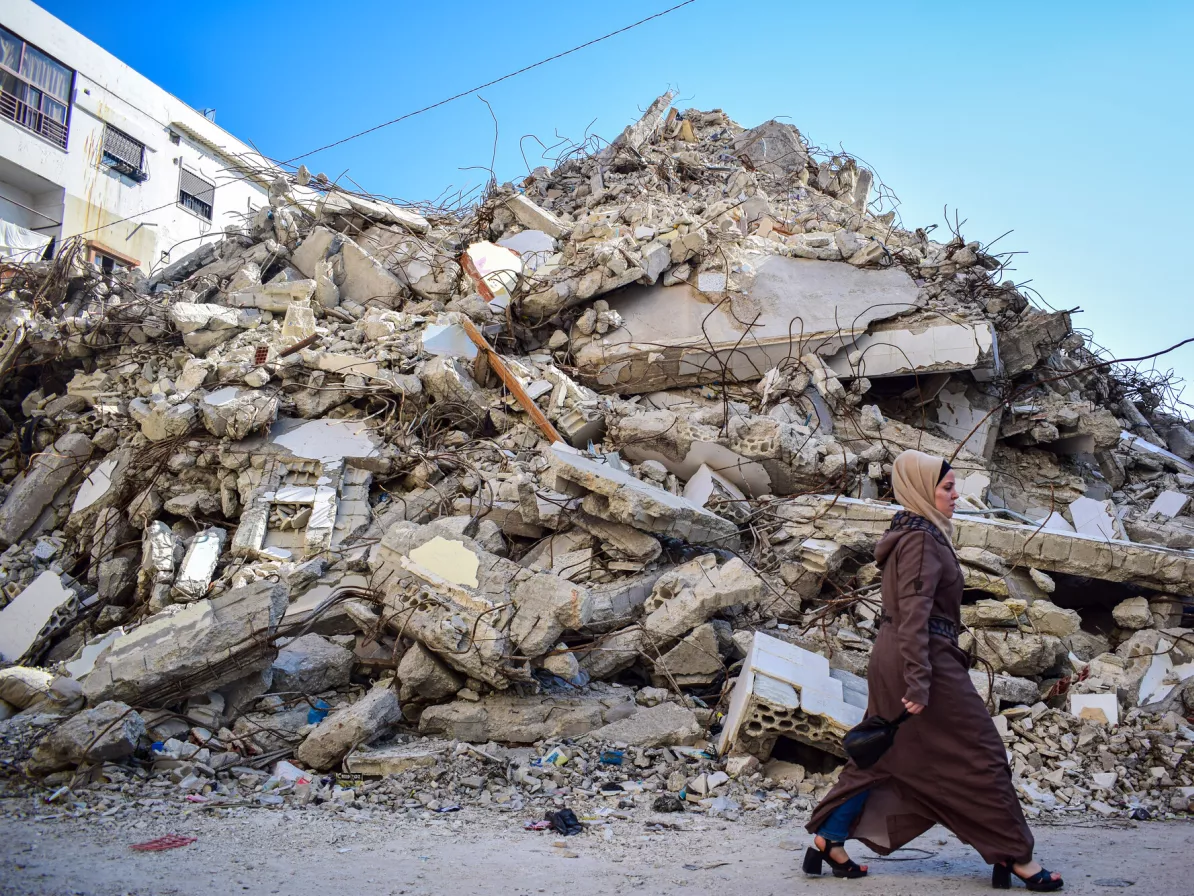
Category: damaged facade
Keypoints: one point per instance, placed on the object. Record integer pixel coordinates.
(599, 461)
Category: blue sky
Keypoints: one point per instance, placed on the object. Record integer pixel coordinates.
(1068, 123)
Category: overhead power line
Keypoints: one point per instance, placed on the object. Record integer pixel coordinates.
(473, 90)
(443, 102)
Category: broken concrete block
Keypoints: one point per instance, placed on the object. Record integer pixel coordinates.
(775, 148)
(33, 490)
(363, 280)
(1049, 619)
(898, 348)
(347, 728)
(524, 720)
(397, 759)
(694, 661)
(615, 652)
(96, 486)
(618, 496)
(26, 616)
(1017, 653)
(311, 665)
(545, 607)
(691, 594)
(160, 420)
(532, 217)
(495, 271)
(232, 413)
(191, 648)
(423, 676)
(1004, 689)
(1133, 613)
(108, 732)
(199, 564)
(784, 691)
(21, 686)
(664, 725)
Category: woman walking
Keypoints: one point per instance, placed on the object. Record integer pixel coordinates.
(947, 765)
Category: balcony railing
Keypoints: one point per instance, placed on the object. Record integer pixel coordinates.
(27, 117)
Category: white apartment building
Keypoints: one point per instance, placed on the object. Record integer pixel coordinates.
(90, 148)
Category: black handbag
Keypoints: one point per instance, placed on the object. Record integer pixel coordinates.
(867, 741)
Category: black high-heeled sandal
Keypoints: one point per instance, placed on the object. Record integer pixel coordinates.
(813, 858)
(1041, 882)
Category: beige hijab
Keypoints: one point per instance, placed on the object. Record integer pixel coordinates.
(914, 477)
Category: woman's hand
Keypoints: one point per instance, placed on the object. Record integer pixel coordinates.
(914, 708)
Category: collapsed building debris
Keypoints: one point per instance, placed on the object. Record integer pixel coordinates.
(576, 490)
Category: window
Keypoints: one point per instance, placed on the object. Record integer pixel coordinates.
(34, 89)
(107, 259)
(196, 194)
(124, 154)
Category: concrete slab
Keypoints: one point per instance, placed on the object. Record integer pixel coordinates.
(930, 345)
(27, 614)
(1169, 504)
(675, 336)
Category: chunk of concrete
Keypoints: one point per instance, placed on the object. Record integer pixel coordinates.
(199, 564)
(22, 686)
(1018, 653)
(1006, 689)
(664, 725)
(363, 280)
(932, 345)
(311, 665)
(24, 618)
(774, 147)
(232, 413)
(97, 484)
(33, 490)
(784, 691)
(1049, 619)
(546, 606)
(694, 592)
(348, 728)
(1133, 613)
(694, 661)
(523, 720)
(192, 648)
(613, 494)
(422, 676)
(397, 759)
(531, 216)
(106, 733)
(160, 420)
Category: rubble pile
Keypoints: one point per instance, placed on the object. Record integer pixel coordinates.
(570, 495)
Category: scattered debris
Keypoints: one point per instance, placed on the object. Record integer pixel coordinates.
(569, 495)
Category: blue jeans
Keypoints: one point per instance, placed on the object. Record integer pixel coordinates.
(837, 826)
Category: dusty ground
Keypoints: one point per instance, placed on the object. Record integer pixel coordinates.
(481, 853)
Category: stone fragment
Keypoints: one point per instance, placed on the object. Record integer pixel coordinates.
(160, 420)
(531, 216)
(350, 727)
(108, 732)
(232, 413)
(665, 725)
(311, 665)
(1133, 613)
(547, 606)
(1018, 653)
(33, 490)
(423, 676)
(21, 686)
(1007, 689)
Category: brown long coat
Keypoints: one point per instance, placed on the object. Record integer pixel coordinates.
(947, 765)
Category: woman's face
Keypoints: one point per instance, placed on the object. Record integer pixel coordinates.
(946, 495)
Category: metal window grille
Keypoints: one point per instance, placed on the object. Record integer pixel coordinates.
(34, 89)
(196, 194)
(124, 153)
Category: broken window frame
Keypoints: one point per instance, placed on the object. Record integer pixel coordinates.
(196, 194)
